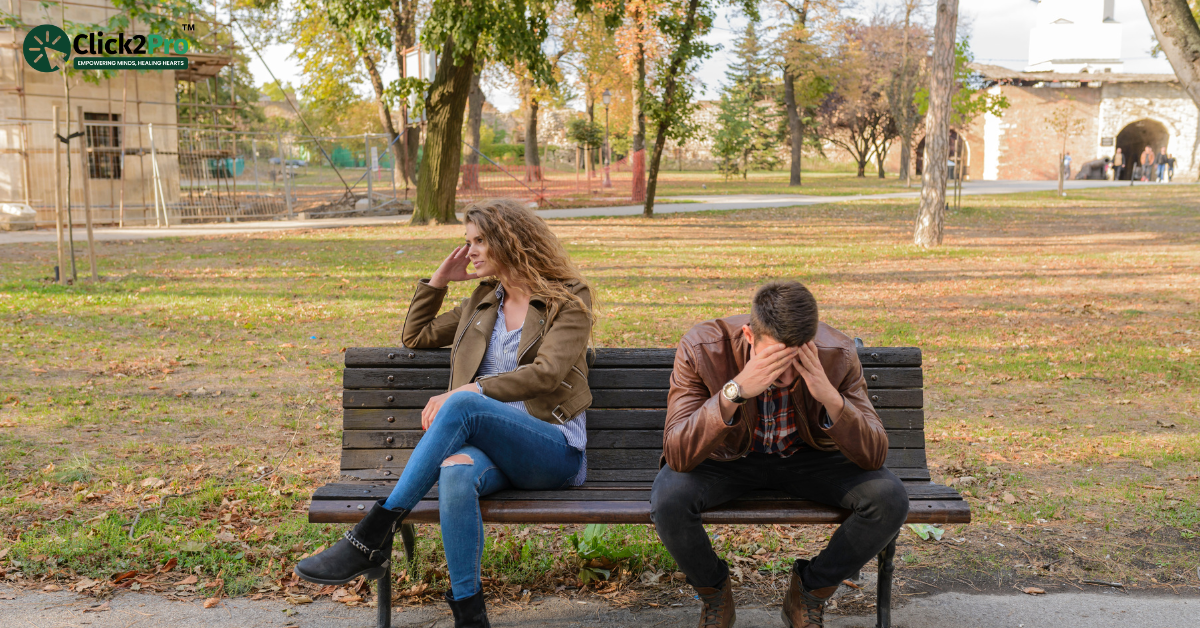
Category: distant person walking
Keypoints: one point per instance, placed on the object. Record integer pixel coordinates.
(1066, 166)
(1161, 162)
(1147, 163)
(1118, 165)
(1170, 167)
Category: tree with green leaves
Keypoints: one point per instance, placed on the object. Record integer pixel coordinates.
(333, 37)
(747, 123)
(807, 70)
(668, 100)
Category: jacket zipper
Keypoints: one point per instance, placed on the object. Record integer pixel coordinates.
(454, 349)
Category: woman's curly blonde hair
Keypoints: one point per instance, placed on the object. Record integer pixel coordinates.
(523, 245)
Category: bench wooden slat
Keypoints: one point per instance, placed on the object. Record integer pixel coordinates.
(597, 439)
(606, 357)
(604, 492)
(543, 511)
(353, 459)
(439, 378)
(602, 475)
(629, 419)
(601, 399)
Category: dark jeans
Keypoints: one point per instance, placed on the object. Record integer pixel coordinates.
(877, 501)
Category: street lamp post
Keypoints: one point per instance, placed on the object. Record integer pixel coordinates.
(607, 97)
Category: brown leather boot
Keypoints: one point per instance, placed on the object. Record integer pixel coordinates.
(718, 606)
(801, 608)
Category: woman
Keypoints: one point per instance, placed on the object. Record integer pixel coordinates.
(514, 416)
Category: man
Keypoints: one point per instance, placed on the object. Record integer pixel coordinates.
(1161, 162)
(1118, 164)
(1147, 164)
(1066, 166)
(773, 400)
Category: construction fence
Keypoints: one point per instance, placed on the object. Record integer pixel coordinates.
(143, 174)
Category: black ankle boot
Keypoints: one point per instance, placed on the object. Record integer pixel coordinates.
(469, 613)
(365, 550)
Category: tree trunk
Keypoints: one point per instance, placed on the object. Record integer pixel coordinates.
(402, 39)
(795, 126)
(474, 121)
(385, 114)
(931, 216)
(1179, 35)
(445, 105)
(670, 88)
(906, 160)
(638, 132)
(533, 165)
(862, 167)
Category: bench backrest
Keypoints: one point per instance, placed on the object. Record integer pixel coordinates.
(386, 388)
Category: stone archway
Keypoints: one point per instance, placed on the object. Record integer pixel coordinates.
(1135, 137)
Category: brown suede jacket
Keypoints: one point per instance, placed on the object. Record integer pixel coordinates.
(551, 376)
(714, 352)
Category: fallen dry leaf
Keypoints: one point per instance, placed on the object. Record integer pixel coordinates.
(299, 599)
(86, 583)
(51, 588)
(1009, 498)
(98, 609)
(226, 537)
(1034, 591)
(211, 602)
(153, 482)
(192, 579)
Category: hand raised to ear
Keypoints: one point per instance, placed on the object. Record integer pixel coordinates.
(453, 268)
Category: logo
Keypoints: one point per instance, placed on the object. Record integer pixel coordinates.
(44, 45)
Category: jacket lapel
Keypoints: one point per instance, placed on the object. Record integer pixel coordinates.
(535, 324)
(473, 345)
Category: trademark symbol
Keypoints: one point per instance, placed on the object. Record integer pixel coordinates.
(188, 27)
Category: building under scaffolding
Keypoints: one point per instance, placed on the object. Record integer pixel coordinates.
(131, 126)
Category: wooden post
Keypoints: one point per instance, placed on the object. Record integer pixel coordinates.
(160, 200)
(367, 161)
(87, 195)
(287, 197)
(58, 208)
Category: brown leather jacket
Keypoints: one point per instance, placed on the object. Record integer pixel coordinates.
(551, 376)
(714, 352)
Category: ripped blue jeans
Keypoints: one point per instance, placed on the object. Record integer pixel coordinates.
(491, 446)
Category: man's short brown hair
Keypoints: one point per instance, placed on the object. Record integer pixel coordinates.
(785, 311)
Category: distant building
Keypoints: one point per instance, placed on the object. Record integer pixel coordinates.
(1119, 110)
(1075, 60)
(1075, 36)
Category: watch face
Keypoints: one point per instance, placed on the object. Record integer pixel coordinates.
(730, 391)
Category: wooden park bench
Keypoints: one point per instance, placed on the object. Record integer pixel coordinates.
(385, 390)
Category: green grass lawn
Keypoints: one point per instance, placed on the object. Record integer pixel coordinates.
(1060, 338)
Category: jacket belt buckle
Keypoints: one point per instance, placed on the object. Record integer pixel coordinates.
(558, 414)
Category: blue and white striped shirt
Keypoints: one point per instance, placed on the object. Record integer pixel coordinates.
(501, 357)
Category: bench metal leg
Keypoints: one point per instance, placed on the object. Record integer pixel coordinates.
(383, 591)
(408, 534)
(883, 600)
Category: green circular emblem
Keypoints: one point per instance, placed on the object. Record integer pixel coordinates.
(42, 43)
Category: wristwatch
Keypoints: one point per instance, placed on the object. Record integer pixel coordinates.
(733, 392)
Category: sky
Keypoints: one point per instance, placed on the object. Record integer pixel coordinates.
(999, 31)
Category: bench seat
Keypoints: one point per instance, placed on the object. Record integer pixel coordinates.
(386, 388)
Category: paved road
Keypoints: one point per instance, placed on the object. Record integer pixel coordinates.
(694, 204)
(950, 610)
